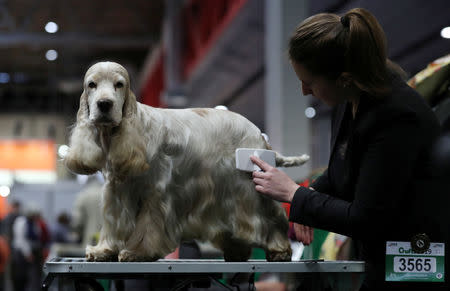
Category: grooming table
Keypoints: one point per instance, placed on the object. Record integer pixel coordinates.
(342, 273)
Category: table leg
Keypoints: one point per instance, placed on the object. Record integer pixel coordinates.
(47, 281)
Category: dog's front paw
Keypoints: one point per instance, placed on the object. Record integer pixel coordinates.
(130, 256)
(99, 254)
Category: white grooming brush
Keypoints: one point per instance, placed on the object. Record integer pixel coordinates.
(244, 163)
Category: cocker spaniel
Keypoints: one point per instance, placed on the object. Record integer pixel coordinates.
(170, 175)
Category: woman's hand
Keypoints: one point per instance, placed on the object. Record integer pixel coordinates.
(272, 182)
(303, 233)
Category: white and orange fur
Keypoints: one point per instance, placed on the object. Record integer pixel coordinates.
(170, 175)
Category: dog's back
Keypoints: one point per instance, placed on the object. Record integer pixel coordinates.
(209, 198)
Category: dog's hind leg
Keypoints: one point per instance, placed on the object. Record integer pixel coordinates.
(278, 248)
(277, 245)
(237, 241)
(234, 250)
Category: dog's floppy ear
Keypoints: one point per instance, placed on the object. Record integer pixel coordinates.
(128, 150)
(83, 110)
(85, 156)
(130, 106)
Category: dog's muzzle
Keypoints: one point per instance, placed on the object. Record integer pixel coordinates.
(104, 113)
(104, 105)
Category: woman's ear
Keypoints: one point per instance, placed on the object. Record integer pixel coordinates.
(85, 156)
(345, 80)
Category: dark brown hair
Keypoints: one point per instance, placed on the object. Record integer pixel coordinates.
(328, 45)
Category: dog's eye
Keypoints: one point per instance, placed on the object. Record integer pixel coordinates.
(119, 85)
(92, 85)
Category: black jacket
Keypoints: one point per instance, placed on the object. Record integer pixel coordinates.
(386, 188)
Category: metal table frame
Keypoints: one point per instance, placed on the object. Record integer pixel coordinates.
(78, 268)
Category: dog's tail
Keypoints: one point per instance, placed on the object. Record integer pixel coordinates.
(282, 161)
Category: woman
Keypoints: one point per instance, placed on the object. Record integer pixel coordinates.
(380, 174)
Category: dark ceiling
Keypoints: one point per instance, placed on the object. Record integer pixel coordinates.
(234, 72)
(412, 27)
(125, 31)
(89, 31)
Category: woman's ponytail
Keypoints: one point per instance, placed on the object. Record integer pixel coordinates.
(355, 43)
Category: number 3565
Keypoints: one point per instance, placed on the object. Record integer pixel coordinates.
(414, 264)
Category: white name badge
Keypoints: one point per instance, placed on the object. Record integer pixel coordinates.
(403, 264)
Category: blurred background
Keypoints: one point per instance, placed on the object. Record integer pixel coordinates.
(179, 53)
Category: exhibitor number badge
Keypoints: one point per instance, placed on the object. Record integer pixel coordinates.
(403, 264)
(414, 264)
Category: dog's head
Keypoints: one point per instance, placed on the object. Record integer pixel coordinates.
(107, 97)
(107, 101)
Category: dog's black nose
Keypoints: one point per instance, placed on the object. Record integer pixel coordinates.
(104, 105)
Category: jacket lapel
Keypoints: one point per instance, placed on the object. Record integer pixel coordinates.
(336, 125)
